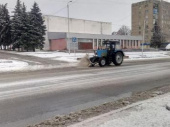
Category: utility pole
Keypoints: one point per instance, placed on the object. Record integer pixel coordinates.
(68, 36)
(161, 20)
(143, 35)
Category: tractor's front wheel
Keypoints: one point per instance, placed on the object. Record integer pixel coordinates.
(118, 59)
(102, 62)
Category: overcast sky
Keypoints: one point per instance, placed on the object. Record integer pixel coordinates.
(116, 11)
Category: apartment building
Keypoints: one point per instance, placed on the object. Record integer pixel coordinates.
(144, 16)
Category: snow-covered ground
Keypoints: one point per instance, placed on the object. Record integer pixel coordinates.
(147, 55)
(16, 65)
(149, 113)
(8, 65)
(73, 57)
(62, 56)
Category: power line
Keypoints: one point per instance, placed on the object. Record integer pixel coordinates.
(64, 7)
(124, 18)
(59, 10)
(91, 3)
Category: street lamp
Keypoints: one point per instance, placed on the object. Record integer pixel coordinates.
(68, 24)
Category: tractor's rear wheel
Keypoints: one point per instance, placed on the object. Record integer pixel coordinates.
(118, 59)
(102, 62)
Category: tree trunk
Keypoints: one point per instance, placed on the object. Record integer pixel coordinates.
(33, 48)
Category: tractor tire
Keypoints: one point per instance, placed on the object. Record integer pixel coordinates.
(102, 62)
(118, 59)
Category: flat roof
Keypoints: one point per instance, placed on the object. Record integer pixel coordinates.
(77, 19)
(59, 35)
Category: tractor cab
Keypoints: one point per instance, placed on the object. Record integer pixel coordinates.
(108, 47)
(112, 45)
(110, 52)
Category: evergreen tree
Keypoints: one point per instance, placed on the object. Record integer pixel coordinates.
(16, 26)
(157, 37)
(1, 21)
(38, 27)
(5, 28)
(26, 29)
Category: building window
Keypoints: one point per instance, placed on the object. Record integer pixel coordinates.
(155, 6)
(146, 11)
(146, 31)
(134, 43)
(139, 32)
(146, 5)
(137, 43)
(147, 27)
(100, 42)
(95, 42)
(131, 43)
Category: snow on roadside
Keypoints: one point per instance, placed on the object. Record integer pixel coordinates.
(61, 56)
(8, 65)
(15, 65)
(147, 55)
(72, 58)
(149, 113)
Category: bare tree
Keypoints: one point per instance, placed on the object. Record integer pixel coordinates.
(124, 30)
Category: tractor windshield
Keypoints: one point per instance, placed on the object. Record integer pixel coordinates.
(107, 46)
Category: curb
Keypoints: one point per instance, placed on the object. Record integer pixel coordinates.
(98, 120)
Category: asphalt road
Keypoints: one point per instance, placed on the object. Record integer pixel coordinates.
(31, 97)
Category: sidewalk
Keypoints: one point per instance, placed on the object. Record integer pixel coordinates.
(149, 113)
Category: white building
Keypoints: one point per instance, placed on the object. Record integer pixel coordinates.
(89, 34)
(60, 24)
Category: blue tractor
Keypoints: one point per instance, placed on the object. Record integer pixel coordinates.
(110, 52)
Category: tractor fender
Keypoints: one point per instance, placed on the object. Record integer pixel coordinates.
(120, 52)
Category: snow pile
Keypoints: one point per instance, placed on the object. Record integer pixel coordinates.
(168, 46)
(84, 62)
(9, 65)
(146, 55)
(150, 113)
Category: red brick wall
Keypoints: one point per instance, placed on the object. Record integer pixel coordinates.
(59, 44)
